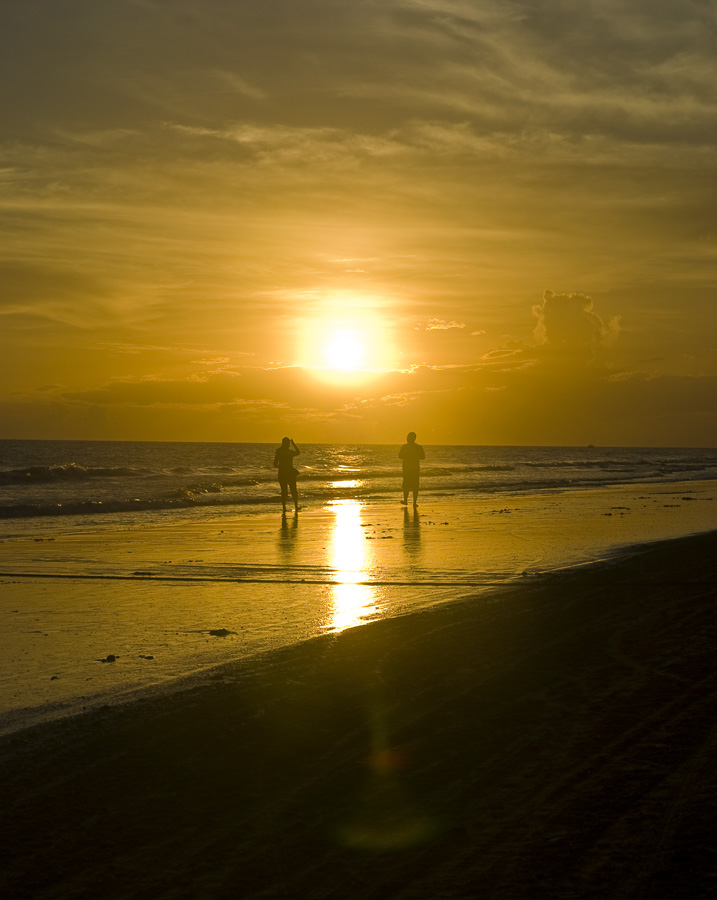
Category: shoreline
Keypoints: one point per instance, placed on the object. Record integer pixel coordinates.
(554, 739)
(176, 599)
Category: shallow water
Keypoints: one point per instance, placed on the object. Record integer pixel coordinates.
(129, 482)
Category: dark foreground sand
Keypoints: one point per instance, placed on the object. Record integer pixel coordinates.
(555, 740)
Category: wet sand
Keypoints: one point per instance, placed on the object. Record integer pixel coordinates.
(552, 739)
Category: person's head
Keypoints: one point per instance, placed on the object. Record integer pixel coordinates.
(285, 442)
(411, 437)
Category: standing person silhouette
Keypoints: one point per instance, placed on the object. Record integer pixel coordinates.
(411, 453)
(284, 462)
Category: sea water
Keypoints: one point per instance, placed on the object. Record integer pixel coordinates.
(157, 482)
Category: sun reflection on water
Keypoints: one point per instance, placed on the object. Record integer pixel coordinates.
(353, 601)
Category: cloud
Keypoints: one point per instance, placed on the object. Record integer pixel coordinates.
(470, 404)
(613, 68)
(510, 357)
(239, 85)
(218, 362)
(50, 291)
(135, 349)
(567, 324)
(442, 325)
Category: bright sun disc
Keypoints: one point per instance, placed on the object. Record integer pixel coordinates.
(344, 351)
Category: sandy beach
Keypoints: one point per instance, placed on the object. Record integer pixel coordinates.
(554, 739)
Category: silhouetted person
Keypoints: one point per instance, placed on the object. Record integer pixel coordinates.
(411, 453)
(284, 462)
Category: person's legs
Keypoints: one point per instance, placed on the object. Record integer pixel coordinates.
(284, 494)
(294, 494)
(410, 486)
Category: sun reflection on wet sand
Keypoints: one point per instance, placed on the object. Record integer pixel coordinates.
(349, 558)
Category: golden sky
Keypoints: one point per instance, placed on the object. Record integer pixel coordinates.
(489, 222)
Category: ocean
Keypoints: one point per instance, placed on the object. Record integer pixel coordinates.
(134, 482)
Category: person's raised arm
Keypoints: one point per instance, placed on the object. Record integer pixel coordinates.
(296, 449)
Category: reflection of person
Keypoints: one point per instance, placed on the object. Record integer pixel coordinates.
(411, 453)
(287, 537)
(284, 462)
(411, 531)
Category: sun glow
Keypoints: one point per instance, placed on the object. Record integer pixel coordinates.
(345, 338)
(345, 350)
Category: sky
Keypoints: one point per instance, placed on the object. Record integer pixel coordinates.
(486, 221)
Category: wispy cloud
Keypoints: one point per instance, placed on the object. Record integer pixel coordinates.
(443, 325)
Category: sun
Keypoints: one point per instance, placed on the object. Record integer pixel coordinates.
(344, 339)
(344, 350)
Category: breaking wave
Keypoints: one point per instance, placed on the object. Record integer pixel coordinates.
(68, 472)
(182, 498)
